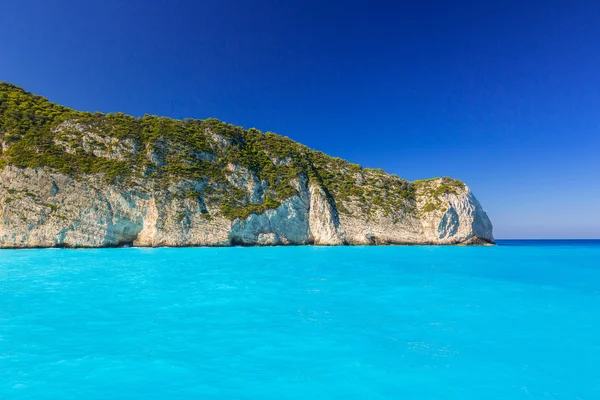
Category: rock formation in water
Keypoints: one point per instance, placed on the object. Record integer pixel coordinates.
(77, 179)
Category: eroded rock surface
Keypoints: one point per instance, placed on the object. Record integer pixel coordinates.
(41, 208)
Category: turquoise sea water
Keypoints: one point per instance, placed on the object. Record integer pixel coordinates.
(516, 321)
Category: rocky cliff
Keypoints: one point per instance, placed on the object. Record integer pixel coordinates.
(74, 179)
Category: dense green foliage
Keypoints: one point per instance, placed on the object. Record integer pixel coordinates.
(156, 152)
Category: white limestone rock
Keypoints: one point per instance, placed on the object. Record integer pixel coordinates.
(41, 208)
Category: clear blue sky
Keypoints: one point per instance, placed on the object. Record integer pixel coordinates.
(504, 95)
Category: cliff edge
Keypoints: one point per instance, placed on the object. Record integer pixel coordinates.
(75, 179)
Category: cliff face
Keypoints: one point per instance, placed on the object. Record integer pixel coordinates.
(71, 179)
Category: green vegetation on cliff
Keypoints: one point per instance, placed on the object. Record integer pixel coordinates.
(433, 189)
(245, 171)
